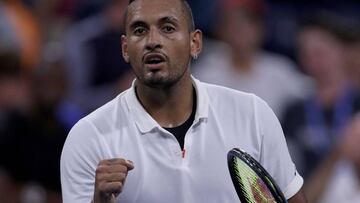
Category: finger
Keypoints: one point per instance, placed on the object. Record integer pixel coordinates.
(112, 169)
(111, 177)
(115, 161)
(129, 164)
(111, 187)
(112, 161)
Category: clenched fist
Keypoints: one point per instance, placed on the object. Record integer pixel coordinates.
(110, 179)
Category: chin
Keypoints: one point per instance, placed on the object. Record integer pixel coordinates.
(159, 82)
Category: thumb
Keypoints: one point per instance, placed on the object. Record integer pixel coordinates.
(129, 164)
(113, 197)
(109, 198)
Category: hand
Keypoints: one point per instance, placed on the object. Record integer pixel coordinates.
(110, 179)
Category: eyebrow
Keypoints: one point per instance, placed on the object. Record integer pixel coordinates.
(136, 24)
(169, 19)
(166, 19)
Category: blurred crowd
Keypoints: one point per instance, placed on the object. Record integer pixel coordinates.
(61, 59)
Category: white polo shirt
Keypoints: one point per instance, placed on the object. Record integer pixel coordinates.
(224, 119)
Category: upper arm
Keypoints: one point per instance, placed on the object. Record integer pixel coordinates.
(275, 157)
(78, 164)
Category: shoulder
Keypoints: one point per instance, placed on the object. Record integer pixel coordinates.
(218, 92)
(224, 99)
(103, 119)
(88, 140)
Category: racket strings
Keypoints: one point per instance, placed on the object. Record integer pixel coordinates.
(253, 187)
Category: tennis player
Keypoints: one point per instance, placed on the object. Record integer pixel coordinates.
(166, 138)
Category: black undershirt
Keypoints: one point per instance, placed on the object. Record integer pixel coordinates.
(180, 131)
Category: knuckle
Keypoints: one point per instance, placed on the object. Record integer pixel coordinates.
(101, 162)
(114, 187)
(99, 169)
(102, 187)
(122, 169)
(115, 159)
(99, 178)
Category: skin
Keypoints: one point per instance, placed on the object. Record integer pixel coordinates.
(155, 28)
(110, 178)
(322, 57)
(353, 62)
(299, 197)
(345, 148)
(235, 22)
(160, 28)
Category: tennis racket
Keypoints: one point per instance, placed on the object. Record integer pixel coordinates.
(252, 182)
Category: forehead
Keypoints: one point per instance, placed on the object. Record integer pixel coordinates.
(153, 10)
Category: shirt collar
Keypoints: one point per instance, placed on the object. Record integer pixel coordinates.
(202, 108)
(146, 123)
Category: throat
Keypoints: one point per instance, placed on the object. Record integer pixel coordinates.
(180, 131)
(169, 108)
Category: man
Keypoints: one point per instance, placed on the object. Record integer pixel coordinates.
(169, 134)
(95, 68)
(245, 65)
(315, 126)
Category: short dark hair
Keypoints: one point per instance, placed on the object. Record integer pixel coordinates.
(186, 8)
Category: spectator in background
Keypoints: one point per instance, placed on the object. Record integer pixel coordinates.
(242, 64)
(351, 151)
(31, 141)
(314, 127)
(14, 86)
(25, 35)
(353, 54)
(95, 67)
(14, 99)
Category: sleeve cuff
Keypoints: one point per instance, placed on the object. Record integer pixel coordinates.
(294, 186)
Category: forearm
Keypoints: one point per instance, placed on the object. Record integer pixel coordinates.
(299, 197)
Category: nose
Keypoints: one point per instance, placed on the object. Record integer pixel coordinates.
(153, 40)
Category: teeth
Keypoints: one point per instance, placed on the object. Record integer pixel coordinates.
(154, 60)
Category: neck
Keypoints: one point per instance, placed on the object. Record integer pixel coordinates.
(169, 106)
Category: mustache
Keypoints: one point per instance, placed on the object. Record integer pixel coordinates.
(154, 53)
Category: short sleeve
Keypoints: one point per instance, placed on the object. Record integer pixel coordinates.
(274, 156)
(78, 163)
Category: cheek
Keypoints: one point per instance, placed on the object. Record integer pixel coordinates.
(135, 55)
(180, 59)
(181, 51)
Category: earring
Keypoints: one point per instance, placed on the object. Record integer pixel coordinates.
(195, 56)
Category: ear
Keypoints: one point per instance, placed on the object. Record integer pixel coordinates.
(124, 48)
(196, 43)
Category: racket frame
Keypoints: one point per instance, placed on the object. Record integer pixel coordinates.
(258, 169)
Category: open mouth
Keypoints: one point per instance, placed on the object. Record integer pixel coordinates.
(154, 59)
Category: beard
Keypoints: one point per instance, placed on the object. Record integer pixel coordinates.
(161, 78)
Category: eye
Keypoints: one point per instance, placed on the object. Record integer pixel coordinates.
(139, 31)
(168, 29)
